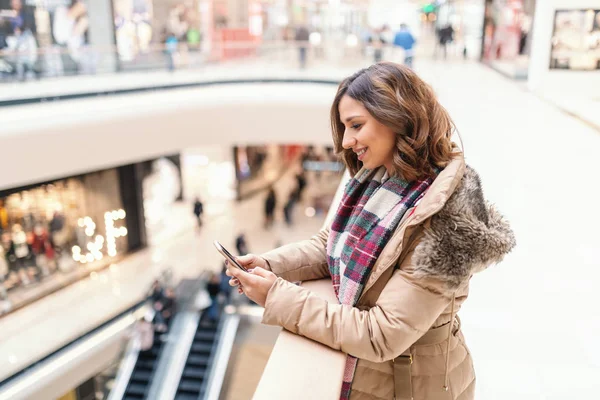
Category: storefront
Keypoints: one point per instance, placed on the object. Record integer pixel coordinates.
(55, 233)
(576, 40)
(52, 38)
(61, 226)
(146, 31)
(466, 19)
(507, 36)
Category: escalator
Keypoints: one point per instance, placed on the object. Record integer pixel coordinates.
(144, 369)
(194, 378)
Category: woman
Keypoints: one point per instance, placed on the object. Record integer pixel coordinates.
(410, 231)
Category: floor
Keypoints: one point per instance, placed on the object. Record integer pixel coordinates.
(531, 322)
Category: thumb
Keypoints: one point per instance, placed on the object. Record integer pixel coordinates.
(246, 260)
(263, 273)
(242, 276)
(236, 272)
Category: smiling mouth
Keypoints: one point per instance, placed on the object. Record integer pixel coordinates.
(361, 152)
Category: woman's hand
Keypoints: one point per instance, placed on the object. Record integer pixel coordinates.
(255, 283)
(248, 261)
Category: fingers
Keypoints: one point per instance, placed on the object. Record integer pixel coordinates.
(234, 282)
(247, 259)
(263, 273)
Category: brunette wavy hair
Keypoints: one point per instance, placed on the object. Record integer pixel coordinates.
(396, 97)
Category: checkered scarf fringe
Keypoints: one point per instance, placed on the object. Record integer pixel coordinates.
(366, 218)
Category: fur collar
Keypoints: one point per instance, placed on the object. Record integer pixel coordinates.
(464, 237)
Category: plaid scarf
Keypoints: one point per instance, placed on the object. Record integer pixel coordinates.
(366, 218)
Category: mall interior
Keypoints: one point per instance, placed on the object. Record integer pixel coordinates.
(147, 129)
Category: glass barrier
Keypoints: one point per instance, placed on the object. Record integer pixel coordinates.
(19, 64)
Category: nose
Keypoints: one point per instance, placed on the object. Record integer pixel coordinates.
(348, 141)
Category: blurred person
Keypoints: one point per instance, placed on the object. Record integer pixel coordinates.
(241, 245)
(301, 184)
(445, 37)
(69, 29)
(405, 40)
(308, 155)
(387, 34)
(412, 228)
(156, 292)
(213, 288)
(224, 287)
(198, 211)
(22, 18)
(171, 45)
(19, 41)
(288, 209)
(388, 38)
(145, 332)
(164, 308)
(19, 253)
(23, 53)
(270, 205)
(302, 37)
(377, 43)
(43, 250)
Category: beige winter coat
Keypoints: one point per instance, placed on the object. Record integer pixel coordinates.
(400, 327)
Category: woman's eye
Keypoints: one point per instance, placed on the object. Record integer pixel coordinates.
(356, 126)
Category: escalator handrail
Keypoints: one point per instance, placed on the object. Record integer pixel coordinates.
(220, 361)
(127, 366)
(72, 343)
(168, 372)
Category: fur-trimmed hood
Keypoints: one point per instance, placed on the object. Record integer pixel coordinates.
(464, 237)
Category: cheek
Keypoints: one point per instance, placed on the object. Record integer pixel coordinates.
(389, 142)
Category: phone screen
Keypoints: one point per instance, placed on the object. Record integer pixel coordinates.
(228, 255)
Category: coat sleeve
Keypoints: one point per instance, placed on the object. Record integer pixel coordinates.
(405, 310)
(301, 261)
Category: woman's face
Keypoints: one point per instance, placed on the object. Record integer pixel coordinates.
(373, 142)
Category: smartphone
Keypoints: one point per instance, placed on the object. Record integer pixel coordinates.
(228, 256)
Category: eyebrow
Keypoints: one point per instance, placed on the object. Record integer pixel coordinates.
(352, 117)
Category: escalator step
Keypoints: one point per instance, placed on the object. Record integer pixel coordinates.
(194, 373)
(201, 347)
(136, 389)
(149, 355)
(197, 360)
(205, 341)
(204, 335)
(145, 364)
(141, 375)
(208, 325)
(190, 386)
(186, 396)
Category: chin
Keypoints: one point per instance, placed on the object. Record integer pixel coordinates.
(371, 165)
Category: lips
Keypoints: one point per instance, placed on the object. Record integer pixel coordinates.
(361, 153)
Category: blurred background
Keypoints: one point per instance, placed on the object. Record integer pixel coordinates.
(133, 133)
